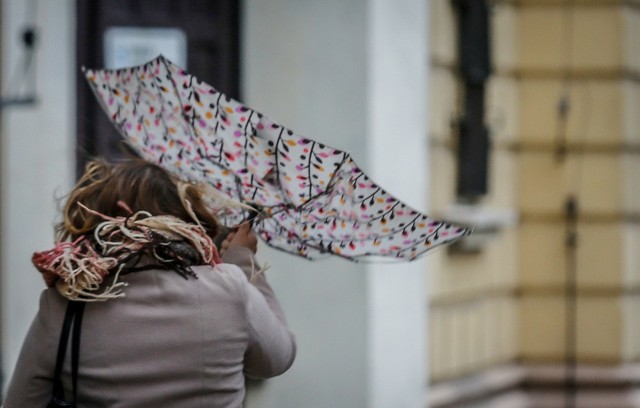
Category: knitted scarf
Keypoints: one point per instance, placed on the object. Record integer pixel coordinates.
(78, 268)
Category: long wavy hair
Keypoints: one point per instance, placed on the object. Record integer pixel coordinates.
(140, 186)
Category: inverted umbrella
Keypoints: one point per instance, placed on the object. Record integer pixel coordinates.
(314, 199)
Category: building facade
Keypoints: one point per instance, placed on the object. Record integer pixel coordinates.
(560, 287)
(347, 73)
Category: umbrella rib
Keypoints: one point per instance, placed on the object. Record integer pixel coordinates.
(141, 121)
(196, 137)
(218, 107)
(221, 151)
(177, 94)
(313, 145)
(255, 190)
(246, 142)
(276, 154)
(246, 125)
(194, 134)
(215, 130)
(162, 108)
(191, 95)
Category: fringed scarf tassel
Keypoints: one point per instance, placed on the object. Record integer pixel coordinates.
(78, 269)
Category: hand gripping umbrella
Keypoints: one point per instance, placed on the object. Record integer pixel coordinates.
(314, 199)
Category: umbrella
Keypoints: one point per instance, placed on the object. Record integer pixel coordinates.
(314, 199)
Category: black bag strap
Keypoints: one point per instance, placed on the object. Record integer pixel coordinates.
(75, 346)
(74, 311)
(62, 351)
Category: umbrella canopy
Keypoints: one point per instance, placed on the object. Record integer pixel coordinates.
(314, 199)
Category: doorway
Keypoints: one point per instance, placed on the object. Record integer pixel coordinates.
(205, 32)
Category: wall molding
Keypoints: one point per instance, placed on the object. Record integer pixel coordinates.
(471, 297)
(518, 385)
(565, 3)
(584, 217)
(447, 141)
(582, 291)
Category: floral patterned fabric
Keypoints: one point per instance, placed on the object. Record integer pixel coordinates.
(314, 198)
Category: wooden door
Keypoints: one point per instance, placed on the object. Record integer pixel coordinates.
(211, 28)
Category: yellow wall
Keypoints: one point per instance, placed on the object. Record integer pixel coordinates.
(585, 50)
(508, 302)
(473, 297)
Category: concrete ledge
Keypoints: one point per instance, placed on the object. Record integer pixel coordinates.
(484, 385)
(540, 386)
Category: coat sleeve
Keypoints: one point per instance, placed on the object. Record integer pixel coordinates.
(272, 347)
(32, 382)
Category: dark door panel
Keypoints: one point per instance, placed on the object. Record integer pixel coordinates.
(213, 55)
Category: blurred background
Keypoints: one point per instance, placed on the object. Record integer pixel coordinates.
(519, 117)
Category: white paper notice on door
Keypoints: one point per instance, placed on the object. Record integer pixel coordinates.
(130, 46)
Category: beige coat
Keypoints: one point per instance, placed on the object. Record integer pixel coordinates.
(171, 342)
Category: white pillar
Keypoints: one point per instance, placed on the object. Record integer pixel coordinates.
(36, 159)
(353, 75)
(398, 154)
(305, 65)
(349, 73)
